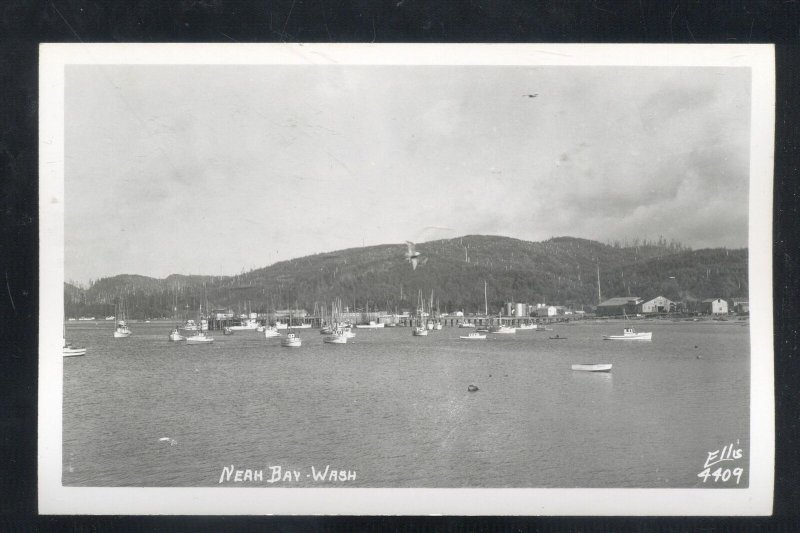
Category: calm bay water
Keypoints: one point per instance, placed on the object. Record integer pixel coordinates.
(395, 408)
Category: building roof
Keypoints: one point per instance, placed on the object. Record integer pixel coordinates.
(709, 300)
(620, 301)
(656, 298)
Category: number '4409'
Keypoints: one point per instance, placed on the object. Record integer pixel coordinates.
(722, 474)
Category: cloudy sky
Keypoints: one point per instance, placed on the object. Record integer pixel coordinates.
(215, 169)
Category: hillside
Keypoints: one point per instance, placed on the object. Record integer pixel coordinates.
(561, 270)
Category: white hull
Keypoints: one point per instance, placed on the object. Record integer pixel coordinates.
(525, 327)
(630, 335)
(271, 333)
(199, 339)
(122, 334)
(466, 325)
(71, 351)
(302, 326)
(371, 325)
(291, 341)
(243, 328)
(503, 330)
(175, 336)
(437, 327)
(335, 339)
(473, 337)
(420, 332)
(592, 367)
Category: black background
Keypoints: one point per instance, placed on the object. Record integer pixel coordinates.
(24, 24)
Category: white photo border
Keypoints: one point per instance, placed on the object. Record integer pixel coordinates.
(756, 499)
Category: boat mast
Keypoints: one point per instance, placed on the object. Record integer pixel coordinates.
(485, 301)
(599, 297)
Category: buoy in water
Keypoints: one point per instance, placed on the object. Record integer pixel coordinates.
(472, 388)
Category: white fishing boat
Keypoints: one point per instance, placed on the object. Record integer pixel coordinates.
(437, 326)
(348, 332)
(71, 351)
(291, 341)
(304, 325)
(248, 324)
(85, 318)
(372, 325)
(592, 367)
(199, 338)
(337, 337)
(271, 332)
(281, 325)
(466, 325)
(630, 334)
(260, 328)
(189, 325)
(473, 336)
(526, 327)
(502, 329)
(429, 326)
(326, 330)
(227, 330)
(121, 330)
(419, 331)
(176, 336)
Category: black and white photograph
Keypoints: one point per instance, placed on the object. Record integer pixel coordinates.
(360, 279)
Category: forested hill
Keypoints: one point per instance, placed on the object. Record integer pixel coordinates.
(559, 271)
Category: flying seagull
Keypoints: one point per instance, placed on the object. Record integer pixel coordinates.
(412, 256)
(534, 95)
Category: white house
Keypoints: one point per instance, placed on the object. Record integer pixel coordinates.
(715, 306)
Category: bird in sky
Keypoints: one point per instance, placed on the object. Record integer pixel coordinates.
(412, 255)
(534, 95)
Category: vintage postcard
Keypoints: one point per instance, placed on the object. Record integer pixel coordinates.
(406, 279)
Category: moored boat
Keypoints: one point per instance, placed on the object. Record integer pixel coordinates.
(291, 341)
(372, 325)
(122, 330)
(473, 336)
(336, 337)
(466, 325)
(630, 334)
(199, 338)
(271, 332)
(175, 336)
(71, 351)
(419, 331)
(525, 327)
(502, 329)
(592, 367)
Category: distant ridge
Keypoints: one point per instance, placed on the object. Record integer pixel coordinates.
(561, 270)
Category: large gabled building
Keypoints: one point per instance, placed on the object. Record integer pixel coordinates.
(659, 304)
(619, 306)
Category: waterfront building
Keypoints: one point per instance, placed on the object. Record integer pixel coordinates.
(619, 306)
(659, 304)
(714, 306)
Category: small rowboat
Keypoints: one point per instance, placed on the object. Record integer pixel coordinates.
(473, 336)
(592, 367)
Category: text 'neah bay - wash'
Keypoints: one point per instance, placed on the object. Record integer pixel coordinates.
(279, 474)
